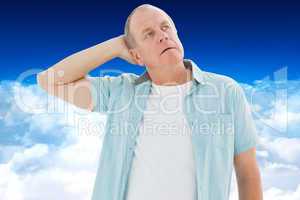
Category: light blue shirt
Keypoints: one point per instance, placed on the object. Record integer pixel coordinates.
(216, 110)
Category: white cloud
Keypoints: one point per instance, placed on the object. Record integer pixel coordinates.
(48, 156)
(54, 183)
(280, 175)
(276, 106)
(287, 149)
(278, 194)
(50, 149)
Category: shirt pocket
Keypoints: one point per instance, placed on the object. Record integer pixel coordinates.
(218, 128)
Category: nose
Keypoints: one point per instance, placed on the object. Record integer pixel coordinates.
(163, 36)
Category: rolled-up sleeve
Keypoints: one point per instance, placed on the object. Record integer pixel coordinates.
(244, 126)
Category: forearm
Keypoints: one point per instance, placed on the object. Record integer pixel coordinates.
(77, 65)
(250, 189)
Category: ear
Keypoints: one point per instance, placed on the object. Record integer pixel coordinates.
(136, 56)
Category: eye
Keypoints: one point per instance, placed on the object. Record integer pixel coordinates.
(148, 34)
(165, 27)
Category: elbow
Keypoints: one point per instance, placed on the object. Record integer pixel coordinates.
(40, 80)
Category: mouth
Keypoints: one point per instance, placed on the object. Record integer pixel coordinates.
(167, 50)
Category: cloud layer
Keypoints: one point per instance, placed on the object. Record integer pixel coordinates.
(50, 150)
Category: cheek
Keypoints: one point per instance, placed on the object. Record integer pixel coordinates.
(180, 47)
(174, 37)
(149, 51)
(179, 44)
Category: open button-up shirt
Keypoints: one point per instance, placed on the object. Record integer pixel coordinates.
(216, 110)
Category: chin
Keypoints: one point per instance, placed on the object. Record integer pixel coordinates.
(172, 59)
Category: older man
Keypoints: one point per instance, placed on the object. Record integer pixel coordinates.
(175, 132)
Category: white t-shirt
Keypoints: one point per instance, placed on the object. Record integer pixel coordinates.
(163, 167)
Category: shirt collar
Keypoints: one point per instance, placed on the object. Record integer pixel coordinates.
(196, 72)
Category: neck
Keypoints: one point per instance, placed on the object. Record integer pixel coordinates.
(171, 75)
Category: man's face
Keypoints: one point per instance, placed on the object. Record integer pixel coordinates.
(157, 42)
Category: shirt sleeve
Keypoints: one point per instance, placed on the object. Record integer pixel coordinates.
(100, 91)
(245, 133)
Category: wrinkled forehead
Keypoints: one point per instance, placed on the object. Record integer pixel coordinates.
(147, 17)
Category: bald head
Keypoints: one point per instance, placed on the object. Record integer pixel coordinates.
(128, 34)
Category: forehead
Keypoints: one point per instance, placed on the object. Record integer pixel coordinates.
(147, 17)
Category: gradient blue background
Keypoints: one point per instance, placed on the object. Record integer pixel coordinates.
(49, 150)
(245, 40)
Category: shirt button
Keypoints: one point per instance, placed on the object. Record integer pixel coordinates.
(131, 151)
(192, 123)
(131, 148)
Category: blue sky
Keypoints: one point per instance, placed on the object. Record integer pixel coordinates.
(50, 149)
(246, 40)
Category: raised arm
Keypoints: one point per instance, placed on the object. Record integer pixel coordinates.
(66, 79)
